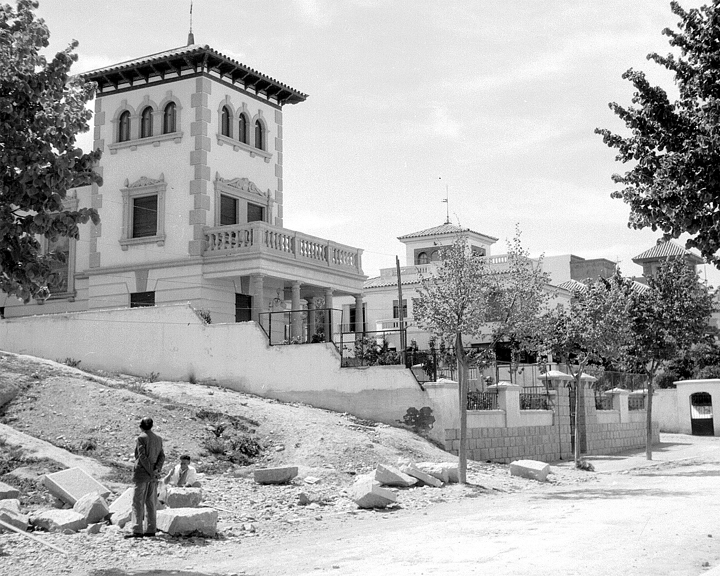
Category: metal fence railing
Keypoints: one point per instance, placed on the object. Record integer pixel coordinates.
(636, 402)
(534, 401)
(603, 402)
(299, 326)
(482, 401)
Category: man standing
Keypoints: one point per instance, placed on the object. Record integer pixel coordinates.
(149, 460)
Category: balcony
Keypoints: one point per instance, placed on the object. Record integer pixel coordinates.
(394, 324)
(260, 239)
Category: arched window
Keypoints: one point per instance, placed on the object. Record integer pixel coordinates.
(124, 127)
(169, 118)
(423, 258)
(146, 121)
(243, 129)
(225, 122)
(259, 135)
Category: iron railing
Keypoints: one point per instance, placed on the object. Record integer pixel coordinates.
(603, 402)
(299, 326)
(627, 381)
(636, 402)
(368, 349)
(482, 401)
(534, 401)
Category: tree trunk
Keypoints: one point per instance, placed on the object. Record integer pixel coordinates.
(648, 416)
(463, 394)
(576, 454)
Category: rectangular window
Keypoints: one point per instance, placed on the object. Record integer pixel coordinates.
(228, 210)
(142, 299)
(243, 307)
(144, 216)
(60, 265)
(396, 311)
(255, 213)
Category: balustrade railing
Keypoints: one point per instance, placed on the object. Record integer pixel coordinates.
(263, 237)
(636, 402)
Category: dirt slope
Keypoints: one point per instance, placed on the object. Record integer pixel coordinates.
(97, 415)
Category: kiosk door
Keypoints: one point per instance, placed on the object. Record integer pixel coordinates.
(701, 414)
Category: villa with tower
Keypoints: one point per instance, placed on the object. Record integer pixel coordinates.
(191, 204)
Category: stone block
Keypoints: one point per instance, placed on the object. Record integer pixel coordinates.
(11, 504)
(59, 520)
(425, 478)
(391, 476)
(447, 472)
(185, 521)
(532, 469)
(121, 508)
(72, 484)
(366, 492)
(93, 507)
(8, 492)
(275, 475)
(13, 517)
(178, 497)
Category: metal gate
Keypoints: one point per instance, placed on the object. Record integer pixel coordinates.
(701, 414)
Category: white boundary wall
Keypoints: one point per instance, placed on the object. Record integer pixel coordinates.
(173, 342)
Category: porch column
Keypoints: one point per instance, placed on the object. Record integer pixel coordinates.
(257, 293)
(329, 315)
(311, 319)
(296, 320)
(359, 319)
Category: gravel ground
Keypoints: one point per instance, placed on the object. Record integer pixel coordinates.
(68, 408)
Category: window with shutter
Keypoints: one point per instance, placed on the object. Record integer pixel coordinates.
(142, 299)
(228, 210)
(144, 216)
(255, 213)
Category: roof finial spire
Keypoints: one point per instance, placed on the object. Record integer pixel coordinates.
(191, 38)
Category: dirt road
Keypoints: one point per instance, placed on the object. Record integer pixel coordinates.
(633, 519)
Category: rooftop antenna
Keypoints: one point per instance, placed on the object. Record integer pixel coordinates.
(191, 37)
(447, 204)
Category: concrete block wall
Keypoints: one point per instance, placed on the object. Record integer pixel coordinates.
(611, 438)
(507, 444)
(602, 432)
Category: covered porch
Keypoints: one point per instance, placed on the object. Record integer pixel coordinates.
(287, 280)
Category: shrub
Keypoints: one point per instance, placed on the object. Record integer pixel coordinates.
(708, 372)
(215, 446)
(666, 379)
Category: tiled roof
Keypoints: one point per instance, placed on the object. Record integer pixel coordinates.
(573, 286)
(384, 281)
(443, 229)
(667, 249)
(197, 58)
(576, 286)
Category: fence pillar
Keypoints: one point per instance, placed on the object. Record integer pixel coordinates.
(508, 401)
(620, 402)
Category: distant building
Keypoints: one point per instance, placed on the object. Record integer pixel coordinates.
(653, 258)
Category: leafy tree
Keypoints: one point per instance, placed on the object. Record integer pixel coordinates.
(674, 184)
(466, 298)
(42, 109)
(451, 303)
(593, 329)
(670, 316)
(519, 300)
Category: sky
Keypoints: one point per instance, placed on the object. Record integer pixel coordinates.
(492, 103)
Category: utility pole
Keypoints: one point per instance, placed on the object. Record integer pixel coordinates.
(401, 316)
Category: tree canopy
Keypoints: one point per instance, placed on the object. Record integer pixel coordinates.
(674, 184)
(42, 109)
